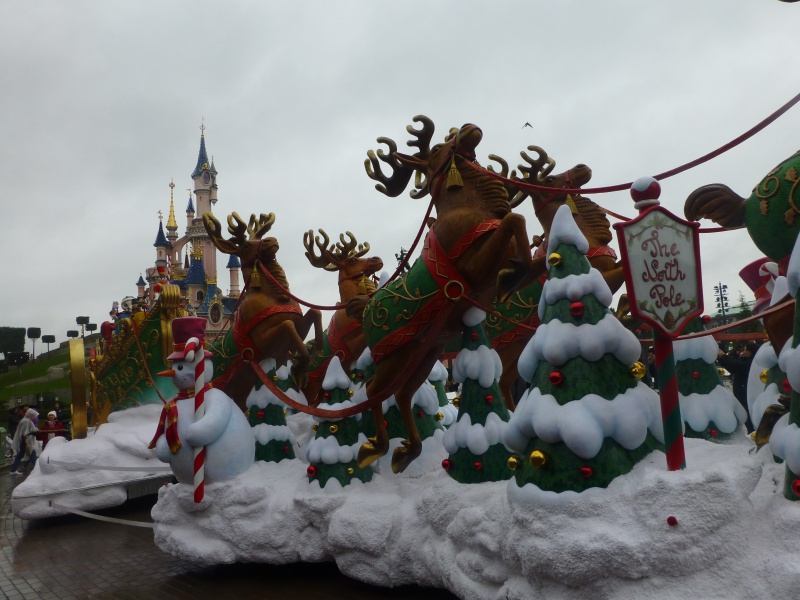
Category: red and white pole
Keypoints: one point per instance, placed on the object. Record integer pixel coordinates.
(199, 411)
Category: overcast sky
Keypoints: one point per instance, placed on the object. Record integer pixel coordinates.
(101, 104)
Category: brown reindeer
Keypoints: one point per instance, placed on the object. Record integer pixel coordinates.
(467, 253)
(593, 223)
(345, 335)
(267, 323)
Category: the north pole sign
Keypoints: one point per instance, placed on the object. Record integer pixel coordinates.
(661, 258)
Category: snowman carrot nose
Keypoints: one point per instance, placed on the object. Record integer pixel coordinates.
(167, 373)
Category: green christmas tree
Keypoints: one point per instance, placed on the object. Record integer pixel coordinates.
(332, 452)
(447, 412)
(474, 442)
(586, 418)
(267, 416)
(709, 410)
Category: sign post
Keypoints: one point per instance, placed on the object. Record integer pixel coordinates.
(661, 259)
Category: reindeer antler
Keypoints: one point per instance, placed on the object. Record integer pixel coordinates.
(333, 257)
(394, 184)
(347, 249)
(536, 170)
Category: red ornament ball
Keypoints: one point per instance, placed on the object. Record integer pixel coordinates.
(706, 319)
(478, 465)
(311, 471)
(556, 378)
(260, 414)
(326, 395)
(489, 398)
(420, 413)
(672, 521)
(446, 464)
(786, 387)
(713, 433)
(361, 376)
(286, 449)
(796, 487)
(473, 335)
(587, 472)
(645, 188)
(385, 423)
(695, 374)
(576, 309)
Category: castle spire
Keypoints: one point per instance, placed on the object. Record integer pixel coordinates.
(202, 157)
(172, 224)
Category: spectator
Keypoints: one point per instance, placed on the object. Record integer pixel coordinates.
(50, 429)
(651, 367)
(739, 368)
(24, 442)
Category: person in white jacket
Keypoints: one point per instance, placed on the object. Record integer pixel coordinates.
(25, 441)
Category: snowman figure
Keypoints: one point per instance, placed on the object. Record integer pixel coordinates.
(223, 429)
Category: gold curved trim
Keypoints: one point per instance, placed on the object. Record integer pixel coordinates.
(77, 377)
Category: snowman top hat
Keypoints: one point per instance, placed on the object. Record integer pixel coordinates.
(183, 330)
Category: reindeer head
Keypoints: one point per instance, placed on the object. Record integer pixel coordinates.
(428, 163)
(246, 238)
(538, 172)
(345, 256)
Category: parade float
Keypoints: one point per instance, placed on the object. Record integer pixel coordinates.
(595, 484)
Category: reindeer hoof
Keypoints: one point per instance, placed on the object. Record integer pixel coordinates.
(370, 451)
(510, 280)
(404, 455)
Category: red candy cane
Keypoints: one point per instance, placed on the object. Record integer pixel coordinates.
(199, 410)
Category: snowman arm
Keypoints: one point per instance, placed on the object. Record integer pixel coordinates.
(218, 408)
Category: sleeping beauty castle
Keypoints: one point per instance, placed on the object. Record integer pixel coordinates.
(189, 261)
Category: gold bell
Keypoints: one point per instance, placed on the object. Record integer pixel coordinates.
(638, 369)
(571, 203)
(538, 459)
(314, 427)
(255, 278)
(439, 416)
(764, 375)
(453, 176)
(514, 463)
(456, 401)
(333, 428)
(554, 259)
(350, 470)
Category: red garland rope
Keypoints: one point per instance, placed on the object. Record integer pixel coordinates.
(624, 186)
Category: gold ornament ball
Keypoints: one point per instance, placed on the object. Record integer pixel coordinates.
(514, 463)
(333, 428)
(538, 459)
(764, 375)
(721, 372)
(350, 470)
(350, 393)
(638, 370)
(285, 412)
(274, 378)
(439, 416)
(247, 414)
(554, 259)
(456, 401)
(314, 427)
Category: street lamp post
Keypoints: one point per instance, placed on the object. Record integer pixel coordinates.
(721, 293)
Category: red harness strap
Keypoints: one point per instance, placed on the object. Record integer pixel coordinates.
(241, 331)
(452, 286)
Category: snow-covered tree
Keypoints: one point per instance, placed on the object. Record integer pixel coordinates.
(586, 418)
(709, 410)
(475, 441)
(332, 454)
(267, 416)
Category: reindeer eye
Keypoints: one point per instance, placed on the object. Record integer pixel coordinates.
(549, 180)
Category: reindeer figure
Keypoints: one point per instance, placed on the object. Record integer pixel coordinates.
(475, 248)
(508, 340)
(345, 335)
(268, 323)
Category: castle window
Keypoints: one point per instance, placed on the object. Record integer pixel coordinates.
(200, 295)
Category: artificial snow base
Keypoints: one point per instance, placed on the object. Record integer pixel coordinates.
(735, 535)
